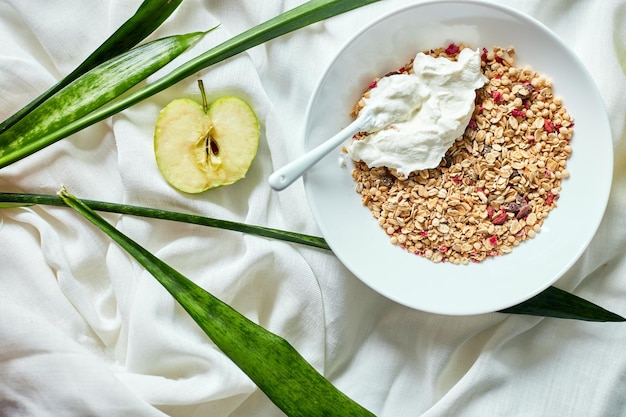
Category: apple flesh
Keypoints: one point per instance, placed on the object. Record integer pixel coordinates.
(199, 148)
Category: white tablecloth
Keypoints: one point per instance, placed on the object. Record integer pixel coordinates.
(85, 331)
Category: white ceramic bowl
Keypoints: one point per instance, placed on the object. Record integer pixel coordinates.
(349, 227)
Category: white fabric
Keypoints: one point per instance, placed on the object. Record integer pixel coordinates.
(85, 331)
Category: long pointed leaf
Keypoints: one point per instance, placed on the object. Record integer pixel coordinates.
(16, 200)
(147, 18)
(87, 93)
(552, 302)
(269, 360)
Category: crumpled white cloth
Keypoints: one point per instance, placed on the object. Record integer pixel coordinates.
(85, 331)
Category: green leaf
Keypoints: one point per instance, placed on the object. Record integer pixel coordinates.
(301, 16)
(552, 302)
(269, 360)
(48, 123)
(13, 200)
(147, 18)
(13, 205)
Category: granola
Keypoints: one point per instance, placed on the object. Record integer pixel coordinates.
(496, 184)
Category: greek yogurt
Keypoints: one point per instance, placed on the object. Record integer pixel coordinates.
(411, 120)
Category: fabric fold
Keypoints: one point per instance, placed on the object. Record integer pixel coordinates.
(84, 330)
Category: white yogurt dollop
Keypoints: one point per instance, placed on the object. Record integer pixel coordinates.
(411, 120)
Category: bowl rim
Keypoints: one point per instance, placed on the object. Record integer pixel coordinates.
(526, 19)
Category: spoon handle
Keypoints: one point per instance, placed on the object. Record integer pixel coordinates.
(283, 177)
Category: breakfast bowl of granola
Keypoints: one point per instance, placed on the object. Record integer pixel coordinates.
(482, 166)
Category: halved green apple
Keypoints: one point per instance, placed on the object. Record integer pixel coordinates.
(199, 147)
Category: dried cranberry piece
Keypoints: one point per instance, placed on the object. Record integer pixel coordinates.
(483, 56)
(518, 113)
(496, 96)
(500, 218)
(452, 49)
